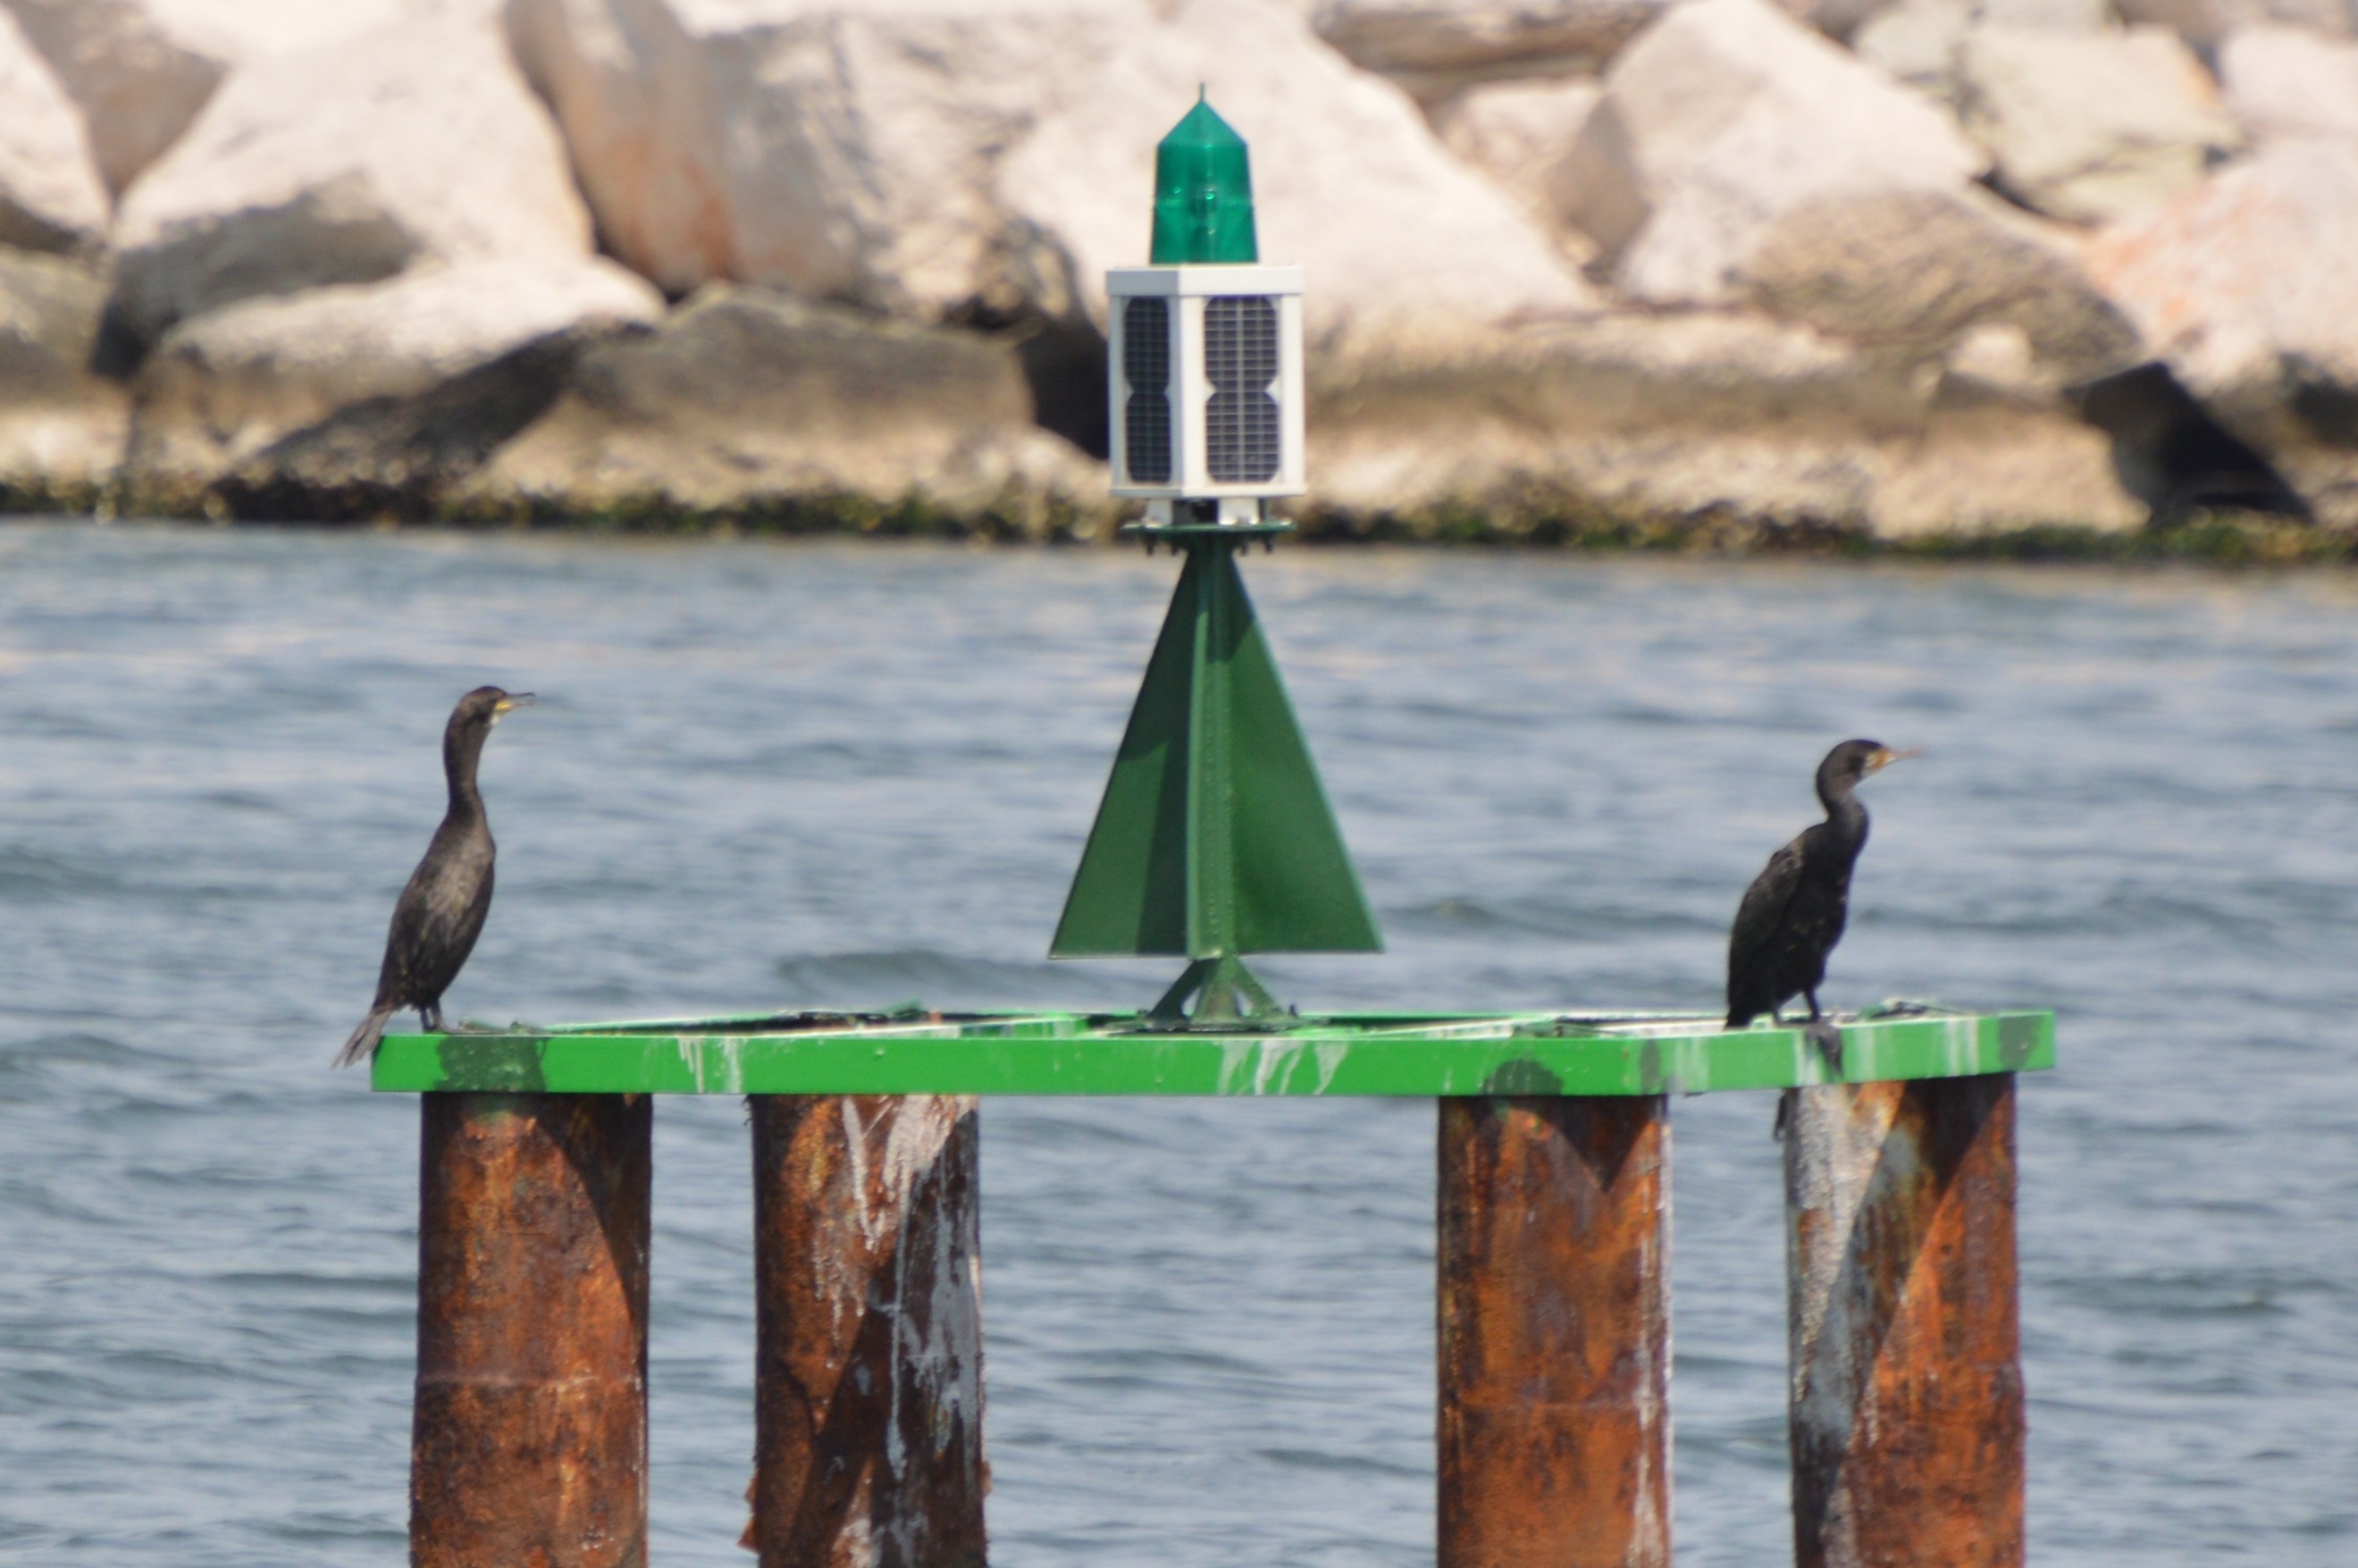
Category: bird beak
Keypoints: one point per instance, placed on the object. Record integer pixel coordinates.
(1878, 760)
(514, 699)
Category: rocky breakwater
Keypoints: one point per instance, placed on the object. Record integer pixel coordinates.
(1892, 266)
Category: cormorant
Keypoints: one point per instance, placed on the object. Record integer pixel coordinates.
(1793, 913)
(440, 912)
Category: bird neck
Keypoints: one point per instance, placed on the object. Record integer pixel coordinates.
(1845, 815)
(462, 751)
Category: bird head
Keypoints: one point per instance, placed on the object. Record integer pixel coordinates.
(486, 706)
(1854, 760)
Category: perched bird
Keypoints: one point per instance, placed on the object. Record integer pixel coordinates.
(440, 912)
(1793, 913)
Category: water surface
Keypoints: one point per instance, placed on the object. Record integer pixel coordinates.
(853, 776)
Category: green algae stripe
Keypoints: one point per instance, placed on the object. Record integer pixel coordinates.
(1036, 1053)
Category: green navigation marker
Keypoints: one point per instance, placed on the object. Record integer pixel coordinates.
(1215, 837)
(1203, 193)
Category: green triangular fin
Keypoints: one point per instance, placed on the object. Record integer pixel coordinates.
(1215, 835)
(1130, 894)
(1296, 889)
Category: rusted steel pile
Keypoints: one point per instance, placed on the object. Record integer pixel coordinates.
(1554, 1330)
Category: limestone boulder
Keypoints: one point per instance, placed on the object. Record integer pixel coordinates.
(1723, 120)
(843, 151)
(384, 390)
(51, 197)
(750, 397)
(987, 158)
(416, 142)
(1521, 134)
(1917, 42)
(2047, 16)
(1434, 48)
(2283, 82)
(1403, 244)
(62, 429)
(1918, 273)
(1713, 414)
(2243, 287)
(2207, 24)
(2091, 128)
(140, 69)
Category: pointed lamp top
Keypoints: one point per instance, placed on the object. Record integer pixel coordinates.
(1203, 192)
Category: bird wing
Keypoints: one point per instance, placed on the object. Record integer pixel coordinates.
(435, 924)
(1757, 920)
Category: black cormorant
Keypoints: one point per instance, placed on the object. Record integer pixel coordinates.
(1793, 913)
(441, 912)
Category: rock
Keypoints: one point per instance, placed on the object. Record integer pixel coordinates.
(61, 427)
(2047, 15)
(1722, 119)
(1432, 48)
(382, 392)
(748, 398)
(136, 78)
(1520, 134)
(140, 69)
(841, 151)
(2282, 82)
(1688, 413)
(1738, 159)
(1916, 272)
(2206, 23)
(416, 141)
(2243, 288)
(2174, 456)
(2090, 128)
(991, 158)
(1403, 245)
(50, 198)
(1917, 42)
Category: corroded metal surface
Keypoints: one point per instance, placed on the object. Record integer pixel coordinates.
(868, 1443)
(1555, 1337)
(529, 1448)
(1907, 1377)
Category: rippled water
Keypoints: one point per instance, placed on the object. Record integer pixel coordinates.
(852, 776)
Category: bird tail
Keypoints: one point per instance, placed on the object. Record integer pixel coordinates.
(365, 1038)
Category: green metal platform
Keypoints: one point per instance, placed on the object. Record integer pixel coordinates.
(1125, 1054)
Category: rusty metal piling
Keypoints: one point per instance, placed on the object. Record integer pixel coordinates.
(1553, 1247)
(529, 1444)
(1555, 1333)
(1906, 1400)
(867, 1439)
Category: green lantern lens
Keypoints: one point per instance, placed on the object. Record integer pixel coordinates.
(1203, 193)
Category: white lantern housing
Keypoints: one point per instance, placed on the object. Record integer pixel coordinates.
(1207, 389)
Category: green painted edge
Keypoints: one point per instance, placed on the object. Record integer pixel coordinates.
(1073, 1054)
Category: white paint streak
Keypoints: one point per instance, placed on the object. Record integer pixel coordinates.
(1234, 1054)
(936, 1342)
(1837, 1141)
(1652, 1541)
(1277, 1059)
